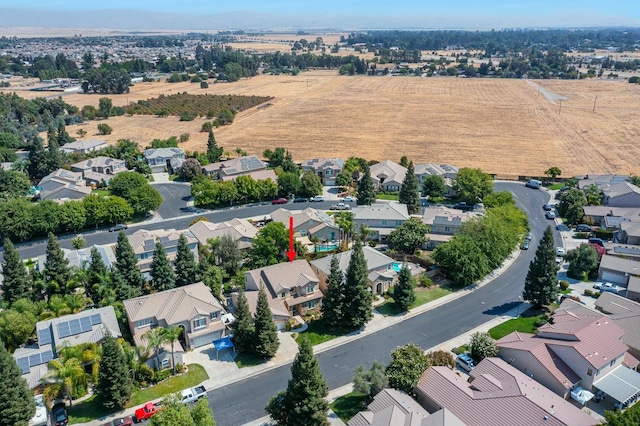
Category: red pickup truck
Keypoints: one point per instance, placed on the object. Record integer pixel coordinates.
(147, 411)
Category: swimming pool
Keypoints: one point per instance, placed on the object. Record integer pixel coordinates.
(397, 266)
(326, 247)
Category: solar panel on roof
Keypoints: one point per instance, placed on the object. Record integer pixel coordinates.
(85, 324)
(44, 336)
(74, 327)
(63, 330)
(23, 363)
(96, 319)
(34, 360)
(46, 356)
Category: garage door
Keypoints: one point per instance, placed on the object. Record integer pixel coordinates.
(280, 325)
(613, 277)
(205, 339)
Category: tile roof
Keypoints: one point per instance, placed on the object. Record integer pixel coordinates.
(632, 229)
(625, 313)
(281, 277)
(634, 284)
(144, 241)
(302, 217)
(441, 214)
(173, 306)
(620, 264)
(237, 229)
(388, 170)
(83, 145)
(620, 189)
(375, 260)
(96, 162)
(436, 169)
(163, 152)
(498, 394)
(323, 163)
(236, 166)
(631, 212)
(381, 211)
(255, 175)
(277, 306)
(62, 175)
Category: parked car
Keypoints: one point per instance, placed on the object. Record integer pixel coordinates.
(465, 362)
(122, 421)
(525, 245)
(528, 236)
(59, 416)
(533, 183)
(463, 206)
(596, 241)
(560, 251)
(609, 287)
(193, 394)
(279, 201)
(40, 418)
(562, 227)
(547, 207)
(340, 206)
(316, 199)
(147, 411)
(349, 199)
(583, 228)
(118, 227)
(550, 215)
(300, 200)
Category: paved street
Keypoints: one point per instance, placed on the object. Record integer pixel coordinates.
(176, 197)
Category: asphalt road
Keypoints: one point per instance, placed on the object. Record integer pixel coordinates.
(175, 197)
(242, 402)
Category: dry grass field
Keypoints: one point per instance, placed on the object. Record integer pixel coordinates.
(503, 126)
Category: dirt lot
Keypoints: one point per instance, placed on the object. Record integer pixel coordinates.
(501, 125)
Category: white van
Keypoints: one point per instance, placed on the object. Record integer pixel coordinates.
(534, 183)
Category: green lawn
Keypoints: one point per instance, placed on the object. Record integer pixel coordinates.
(392, 197)
(87, 411)
(523, 324)
(556, 186)
(422, 296)
(318, 332)
(349, 405)
(247, 359)
(101, 192)
(193, 377)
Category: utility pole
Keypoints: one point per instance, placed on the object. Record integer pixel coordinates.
(560, 109)
(594, 103)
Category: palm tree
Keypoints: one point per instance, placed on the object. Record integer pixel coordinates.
(55, 308)
(315, 240)
(69, 372)
(135, 357)
(77, 243)
(86, 353)
(76, 302)
(364, 232)
(170, 335)
(154, 339)
(344, 220)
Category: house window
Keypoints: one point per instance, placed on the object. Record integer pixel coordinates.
(447, 229)
(199, 323)
(283, 295)
(144, 322)
(589, 371)
(384, 223)
(398, 222)
(214, 315)
(310, 289)
(144, 256)
(434, 228)
(312, 304)
(165, 363)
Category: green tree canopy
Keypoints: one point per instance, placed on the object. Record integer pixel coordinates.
(403, 292)
(409, 236)
(333, 302)
(288, 184)
(17, 406)
(13, 184)
(268, 246)
(115, 385)
(16, 283)
(433, 186)
(407, 364)
(571, 206)
(482, 346)
(266, 332)
(56, 267)
(127, 263)
(553, 172)
(358, 297)
(472, 185)
(582, 259)
(541, 283)
(186, 269)
(243, 328)
(213, 151)
(310, 185)
(370, 382)
(409, 193)
(124, 184)
(366, 193)
(162, 275)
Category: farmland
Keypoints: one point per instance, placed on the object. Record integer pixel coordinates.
(504, 126)
(196, 105)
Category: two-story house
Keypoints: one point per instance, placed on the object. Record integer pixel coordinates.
(308, 223)
(580, 348)
(388, 176)
(382, 270)
(445, 171)
(617, 269)
(443, 223)
(625, 313)
(623, 194)
(381, 218)
(161, 159)
(234, 167)
(83, 147)
(326, 168)
(191, 307)
(240, 230)
(63, 184)
(143, 242)
(293, 283)
(99, 169)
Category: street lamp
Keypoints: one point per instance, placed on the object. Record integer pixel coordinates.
(518, 307)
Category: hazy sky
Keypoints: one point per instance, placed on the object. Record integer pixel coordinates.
(369, 13)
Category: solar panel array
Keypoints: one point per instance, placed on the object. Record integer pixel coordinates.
(44, 336)
(32, 360)
(77, 326)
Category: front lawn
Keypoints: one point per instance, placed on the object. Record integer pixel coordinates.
(318, 332)
(423, 295)
(556, 186)
(349, 405)
(392, 197)
(522, 324)
(101, 192)
(247, 359)
(88, 410)
(193, 377)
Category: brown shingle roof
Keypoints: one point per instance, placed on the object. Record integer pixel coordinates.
(518, 400)
(625, 313)
(282, 277)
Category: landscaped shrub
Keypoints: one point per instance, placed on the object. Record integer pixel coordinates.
(564, 284)
(180, 368)
(604, 234)
(372, 243)
(104, 129)
(206, 127)
(542, 320)
(204, 85)
(187, 116)
(425, 281)
(163, 374)
(588, 292)
(145, 374)
(581, 235)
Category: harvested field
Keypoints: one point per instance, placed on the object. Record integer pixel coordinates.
(500, 125)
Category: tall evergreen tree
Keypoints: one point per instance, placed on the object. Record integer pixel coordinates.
(121, 287)
(541, 283)
(62, 137)
(403, 294)
(357, 294)
(38, 159)
(332, 305)
(162, 275)
(56, 267)
(115, 385)
(55, 156)
(186, 269)
(97, 270)
(304, 401)
(127, 263)
(409, 193)
(17, 406)
(242, 327)
(266, 332)
(213, 151)
(16, 284)
(366, 193)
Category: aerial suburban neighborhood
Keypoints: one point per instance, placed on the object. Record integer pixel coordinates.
(320, 228)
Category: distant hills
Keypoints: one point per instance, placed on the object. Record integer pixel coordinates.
(209, 20)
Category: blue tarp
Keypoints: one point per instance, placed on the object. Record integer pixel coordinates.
(224, 343)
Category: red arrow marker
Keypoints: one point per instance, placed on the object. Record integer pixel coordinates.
(291, 254)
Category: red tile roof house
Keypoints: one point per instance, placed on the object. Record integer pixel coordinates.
(496, 394)
(580, 349)
(625, 313)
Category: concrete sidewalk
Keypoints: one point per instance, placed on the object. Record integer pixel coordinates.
(222, 369)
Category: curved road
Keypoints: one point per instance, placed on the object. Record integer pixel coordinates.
(243, 402)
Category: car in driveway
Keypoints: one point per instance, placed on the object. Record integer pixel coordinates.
(118, 227)
(528, 236)
(547, 207)
(560, 251)
(609, 287)
(465, 362)
(300, 200)
(316, 199)
(562, 227)
(279, 201)
(550, 215)
(525, 245)
(349, 199)
(583, 228)
(122, 421)
(59, 416)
